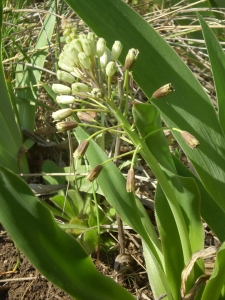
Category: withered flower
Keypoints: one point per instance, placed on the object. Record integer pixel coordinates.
(190, 140)
(93, 174)
(66, 125)
(131, 58)
(81, 149)
(163, 91)
(130, 181)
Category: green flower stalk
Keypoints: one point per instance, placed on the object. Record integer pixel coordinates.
(66, 125)
(131, 58)
(65, 99)
(100, 47)
(84, 60)
(94, 173)
(61, 89)
(116, 50)
(64, 76)
(62, 114)
(77, 73)
(81, 149)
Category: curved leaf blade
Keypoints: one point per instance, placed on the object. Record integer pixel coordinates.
(57, 255)
(217, 60)
(217, 279)
(10, 134)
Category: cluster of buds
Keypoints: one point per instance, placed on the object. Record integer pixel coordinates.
(82, 61)
(69, 29)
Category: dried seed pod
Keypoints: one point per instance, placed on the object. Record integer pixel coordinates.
(163, 91)
(81, 149)
(94, 173)
(66, 125)
(190, 140)
(130, 181)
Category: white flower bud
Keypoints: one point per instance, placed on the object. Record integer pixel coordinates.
(63, 58)
(64, 76)
(62, 114)
(110, 68)
(79, 87)
(86, 46)
(65, 67)
(65, 99)
(100, 47)
(91, 38)
(84, 60)
(77, 44)
(71, 52)
(61, 89)
(116, 50)
(104, 60)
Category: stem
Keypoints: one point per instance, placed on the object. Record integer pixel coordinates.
(109, 86)
(100, 131)
(97, 215)
(161, 129)
(126, 87)
(153, 164)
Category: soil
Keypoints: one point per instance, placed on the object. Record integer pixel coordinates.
(27, 283)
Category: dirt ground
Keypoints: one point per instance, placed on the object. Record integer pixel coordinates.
(27, 283)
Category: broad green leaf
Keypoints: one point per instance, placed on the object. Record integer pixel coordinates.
(216, 281)
(217, 60)
(57, 255)
(27, 77)
(62, 203)
(158, 281)
(216, 218)
(10, 134)
(171, 243)
(188, 195)
(188, 108)
(148, 123)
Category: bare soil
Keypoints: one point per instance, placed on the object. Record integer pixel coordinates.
(27, 283)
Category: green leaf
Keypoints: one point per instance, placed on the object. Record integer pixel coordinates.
(216, 218)
(217, 279)
(57, 255)
(10, 134)
(62, 203)
(217, 60)
(148, 122)
(27, 78)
